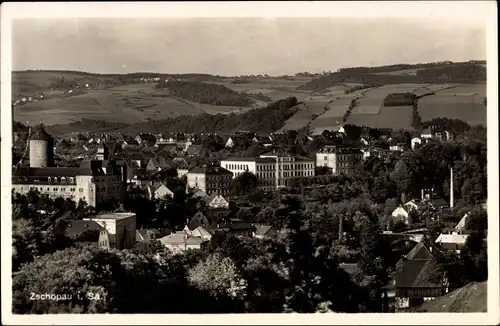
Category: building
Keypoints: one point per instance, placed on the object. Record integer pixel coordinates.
(339, 159)
(160, 191)
(415, 142)
(120, 226)
(272, 171)
(265, 232)
(401, 214)
(210, 179)
(83, 232)
(412, 286)
(216, 201)
(181, 241)
(452, 242)
(93, 182)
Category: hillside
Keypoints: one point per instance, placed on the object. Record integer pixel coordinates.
(470, 298)
(432, 73)
(205, 93)
(262, 120)
(457, 91)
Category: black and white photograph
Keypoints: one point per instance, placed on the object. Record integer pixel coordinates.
(213, 160)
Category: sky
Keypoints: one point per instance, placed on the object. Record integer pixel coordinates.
(238, 46)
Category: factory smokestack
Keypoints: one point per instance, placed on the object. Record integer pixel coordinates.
(451, 187)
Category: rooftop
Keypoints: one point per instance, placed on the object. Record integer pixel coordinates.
(112, 216)
(209, 170)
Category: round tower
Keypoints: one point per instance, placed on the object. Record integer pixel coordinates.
(41, 148)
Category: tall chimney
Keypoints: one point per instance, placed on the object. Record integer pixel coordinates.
(451, 187)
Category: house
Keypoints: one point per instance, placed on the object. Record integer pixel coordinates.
(181, 241)
(216, 201)
(210, 179)
(339, 159)
(198, 219)
(238, 228)
(452, 242)
(364, 141)
(202, 232)
(145, 139)
(156, 164)
(160, 191)
(230, 143)
(121, 228)
(397, 148)
(412, 285)
(411, 205)
(415, 142)
(148, 234)
(265, 232)
(401, 214)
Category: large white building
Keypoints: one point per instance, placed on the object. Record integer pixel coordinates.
(120, 228)
(339, 159)
(93, 182)
(272, 171)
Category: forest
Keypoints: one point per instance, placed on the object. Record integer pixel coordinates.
(205, 93)
(435, 74)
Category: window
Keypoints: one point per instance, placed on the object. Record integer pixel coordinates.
(63, 179)
(80, 189)
(56, 189)
(55, 179)
(63, 189)
(49, 179)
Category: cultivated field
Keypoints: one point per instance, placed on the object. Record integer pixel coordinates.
(467, 108)
(136, 103)
(396, 117)
(128, 104)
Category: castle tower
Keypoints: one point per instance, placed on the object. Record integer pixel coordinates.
(102, 152)
(41, 146)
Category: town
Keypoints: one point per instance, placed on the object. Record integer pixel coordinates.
(403, 211)
(220, 165)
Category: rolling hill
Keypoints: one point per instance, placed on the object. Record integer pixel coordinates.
(59, 98)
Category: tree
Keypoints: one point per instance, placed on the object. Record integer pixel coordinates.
(244, 184)
(218, 276)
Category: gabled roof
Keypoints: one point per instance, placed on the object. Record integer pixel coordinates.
(194, 149)
(413, 274)
(180, 238)
(214, 195)
(198, 193)
(419, 252)
(463, 222)
(262, 229)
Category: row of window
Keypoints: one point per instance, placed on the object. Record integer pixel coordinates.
(220, 185)
(41, 189)
(62, 179)
(286, 174)
(237, 166)
(218, 177)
